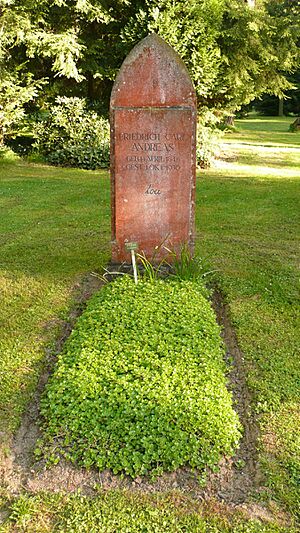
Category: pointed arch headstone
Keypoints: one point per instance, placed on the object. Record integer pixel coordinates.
(153, 146)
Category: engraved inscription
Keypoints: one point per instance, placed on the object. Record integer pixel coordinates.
(151, 151)
(152, 147)
(151, 136)
(150, 190)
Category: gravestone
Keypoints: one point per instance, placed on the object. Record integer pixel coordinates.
(153, 152)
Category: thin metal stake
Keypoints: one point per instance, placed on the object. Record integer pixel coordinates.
(134, 266)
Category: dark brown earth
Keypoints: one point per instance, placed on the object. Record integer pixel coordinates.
(235, 484)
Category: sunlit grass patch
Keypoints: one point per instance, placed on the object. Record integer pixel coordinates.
(270, 347)
(256, 170)
(263, 159)
(265, 131)
(28, 308)
(112, 511)
(281, 440)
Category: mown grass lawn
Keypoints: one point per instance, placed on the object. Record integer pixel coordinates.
(55, 227)
(248, 223)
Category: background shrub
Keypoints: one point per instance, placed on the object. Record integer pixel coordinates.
(208, 142)
(73, 135)
(140, 385)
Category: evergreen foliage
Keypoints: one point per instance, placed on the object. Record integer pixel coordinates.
(269, 105)
(15, 91)
(234, 52)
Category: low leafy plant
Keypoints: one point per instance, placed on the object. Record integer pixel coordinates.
(140, 385)
(73, 135)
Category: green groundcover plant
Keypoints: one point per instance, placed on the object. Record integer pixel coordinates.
(140, 386)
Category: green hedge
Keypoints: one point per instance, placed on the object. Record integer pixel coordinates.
(140, 385)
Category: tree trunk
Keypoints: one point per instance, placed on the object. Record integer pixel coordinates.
(280, 107)
(1, 136)
(229, 121)
(91, 86)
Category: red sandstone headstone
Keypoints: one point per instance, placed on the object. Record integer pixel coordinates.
(153, 152)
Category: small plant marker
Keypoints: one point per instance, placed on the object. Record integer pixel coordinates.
(132, 246)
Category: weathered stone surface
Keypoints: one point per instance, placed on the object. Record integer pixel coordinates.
(153, 135)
